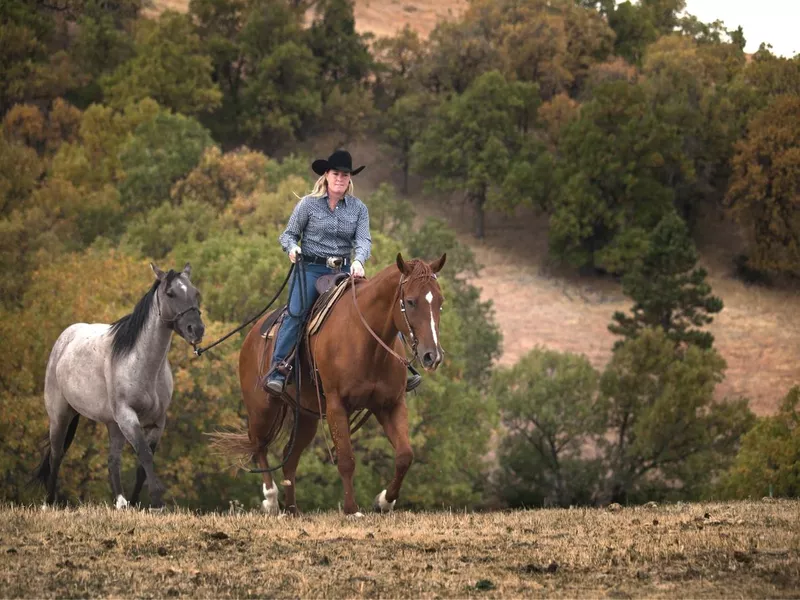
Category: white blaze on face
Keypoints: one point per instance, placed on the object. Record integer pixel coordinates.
(429, 298)
(183, 286)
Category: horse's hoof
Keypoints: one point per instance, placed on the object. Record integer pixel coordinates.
(121, 503)
(157, 509)
(270, 504)
(381, 504)
(356, 515)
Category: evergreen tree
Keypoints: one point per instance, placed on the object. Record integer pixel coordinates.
(668, 289)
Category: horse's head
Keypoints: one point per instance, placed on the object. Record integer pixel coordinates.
(178, 302)
(419, 307)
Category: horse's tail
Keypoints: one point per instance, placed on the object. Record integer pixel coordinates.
(42, 472)
(232, 443)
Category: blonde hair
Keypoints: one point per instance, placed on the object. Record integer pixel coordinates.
(321, 187)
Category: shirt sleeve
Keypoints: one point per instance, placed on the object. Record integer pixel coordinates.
(297, 223)
(363, 241)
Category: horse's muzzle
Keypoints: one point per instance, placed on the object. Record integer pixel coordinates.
(432, 359)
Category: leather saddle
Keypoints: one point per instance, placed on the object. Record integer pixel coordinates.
(330, 287)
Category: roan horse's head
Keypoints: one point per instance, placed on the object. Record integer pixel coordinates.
(178, 302)
(419, 307)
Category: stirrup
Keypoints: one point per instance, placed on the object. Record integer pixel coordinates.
(413, 381)
(275, 384)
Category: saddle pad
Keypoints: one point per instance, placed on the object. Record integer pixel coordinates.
(324, 305)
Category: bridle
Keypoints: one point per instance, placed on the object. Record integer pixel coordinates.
(171, 322)
(411, 334)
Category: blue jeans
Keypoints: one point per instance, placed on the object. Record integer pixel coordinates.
(298, 308)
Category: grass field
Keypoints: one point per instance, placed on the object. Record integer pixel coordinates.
(737, 550)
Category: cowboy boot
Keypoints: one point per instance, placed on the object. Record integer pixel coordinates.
(275, 382)
(413, 380)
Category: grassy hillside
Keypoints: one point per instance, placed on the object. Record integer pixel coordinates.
(749, 549)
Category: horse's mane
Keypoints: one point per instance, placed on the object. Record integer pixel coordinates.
(127, 329)
(418, 269)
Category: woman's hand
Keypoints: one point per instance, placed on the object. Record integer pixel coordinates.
(357, 269)
(293, 253)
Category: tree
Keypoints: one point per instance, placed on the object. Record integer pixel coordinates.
(611, 181)
(764, 192)
(550, 412)
(667, 435)
(668, 290)
(32, 68)
(341, 53)
(768, 462)
(402, 126)
(398, 61)
(160, 152)
(473, 138)
(170, 66)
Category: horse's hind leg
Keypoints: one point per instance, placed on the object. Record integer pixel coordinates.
(339, 425)
(116, 442)
(306, 430)
(263, 426)
(62, 431)
(153, 436)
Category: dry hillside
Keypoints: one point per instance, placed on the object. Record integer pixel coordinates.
(380, 17)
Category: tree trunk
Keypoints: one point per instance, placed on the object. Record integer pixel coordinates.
(480, 217)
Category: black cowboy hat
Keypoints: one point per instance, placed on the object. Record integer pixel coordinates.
(339, 160)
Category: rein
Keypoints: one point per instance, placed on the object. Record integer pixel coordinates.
(402, 359)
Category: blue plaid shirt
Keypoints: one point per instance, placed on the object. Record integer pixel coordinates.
(327, 232)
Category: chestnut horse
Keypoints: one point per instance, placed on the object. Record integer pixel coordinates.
(356, 372)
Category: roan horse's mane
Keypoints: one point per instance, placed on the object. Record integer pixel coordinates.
(127, 329)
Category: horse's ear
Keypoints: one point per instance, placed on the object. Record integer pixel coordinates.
(401, 264)
(187, 270)
(437, 265)
(160, 275)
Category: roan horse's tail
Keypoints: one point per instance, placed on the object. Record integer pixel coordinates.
(42, 473)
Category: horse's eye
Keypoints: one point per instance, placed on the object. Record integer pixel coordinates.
(170, 294)
(411, 303)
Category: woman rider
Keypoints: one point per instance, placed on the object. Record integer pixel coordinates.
(332, 223)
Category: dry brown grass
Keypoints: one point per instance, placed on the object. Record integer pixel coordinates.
(381, 17)
(741, 550)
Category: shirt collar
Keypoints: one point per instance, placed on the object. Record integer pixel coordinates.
(343, 200)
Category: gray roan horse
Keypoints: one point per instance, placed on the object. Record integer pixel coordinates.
(119, 375)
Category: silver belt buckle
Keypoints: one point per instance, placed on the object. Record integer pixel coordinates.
(334, 262)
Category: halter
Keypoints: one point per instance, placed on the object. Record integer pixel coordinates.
(171, 322)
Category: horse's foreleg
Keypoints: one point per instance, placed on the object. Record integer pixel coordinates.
(116, 442)
(153, 436)
(394, 421)
(339, 424)
(306, 430)
(132, 430)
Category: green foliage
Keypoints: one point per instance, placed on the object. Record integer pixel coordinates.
(31, 65)
(267, 75)
(169, 67)
(473, 139)
(341, 53)
(611, 179)
(398, 64)
(161, 151)
(480, 336)
(667, 435)
(348, 115)
(763, 194)
(402, 125)
(551, 415)
(668, 289)
(768, 462)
